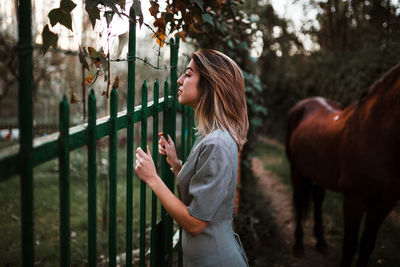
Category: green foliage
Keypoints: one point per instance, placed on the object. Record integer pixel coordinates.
(49, 38)
(58, 16)
(62, 14)
(350, 25)
(94, 14)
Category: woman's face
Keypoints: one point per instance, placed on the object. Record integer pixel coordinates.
(188, 91)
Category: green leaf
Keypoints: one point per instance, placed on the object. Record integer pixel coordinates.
(58, 16)
(67, 6)
(104, 63)
(94, 14)
(49, 39)
(82, 59)
(207, 18)
(199, 4)
(89, 4)
(137, 8)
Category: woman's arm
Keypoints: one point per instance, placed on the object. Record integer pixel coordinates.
(177, 209)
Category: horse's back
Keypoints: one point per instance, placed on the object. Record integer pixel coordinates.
(313, 135)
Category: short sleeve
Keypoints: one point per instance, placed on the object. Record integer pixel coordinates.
(210, 184)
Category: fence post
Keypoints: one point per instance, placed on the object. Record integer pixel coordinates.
(25, 119)
(65, 250)
(153, 243)
(143, 141)
(92, 173)
(171, 129)
(130, 134)
(112, 223)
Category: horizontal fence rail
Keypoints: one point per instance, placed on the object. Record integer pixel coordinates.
(47, 148)
(21, 160)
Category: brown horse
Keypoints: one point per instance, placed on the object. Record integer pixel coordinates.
(355, 151)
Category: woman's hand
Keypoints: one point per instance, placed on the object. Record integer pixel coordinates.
(144, 166)
(167, 148)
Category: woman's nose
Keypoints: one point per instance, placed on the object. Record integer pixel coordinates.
(180, 81)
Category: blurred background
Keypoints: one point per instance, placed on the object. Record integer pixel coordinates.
(288, 50)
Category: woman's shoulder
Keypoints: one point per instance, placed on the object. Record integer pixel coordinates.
(220, 138)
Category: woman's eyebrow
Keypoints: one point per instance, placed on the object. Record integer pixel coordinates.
(189, 68)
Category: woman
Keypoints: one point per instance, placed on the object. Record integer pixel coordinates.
(213, 86)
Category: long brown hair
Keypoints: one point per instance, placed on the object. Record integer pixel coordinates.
(223, 101)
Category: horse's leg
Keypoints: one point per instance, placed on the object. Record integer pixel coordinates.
(373, 221)
(318, 197)
(352, 211)
(300, 200)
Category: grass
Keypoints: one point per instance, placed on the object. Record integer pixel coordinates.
(387, 247)
(46, 211)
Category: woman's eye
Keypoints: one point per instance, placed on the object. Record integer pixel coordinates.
(187, 75)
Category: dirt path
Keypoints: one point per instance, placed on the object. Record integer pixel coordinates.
(278, 196)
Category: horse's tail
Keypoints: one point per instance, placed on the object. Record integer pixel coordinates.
(293, 119)
(301, 185)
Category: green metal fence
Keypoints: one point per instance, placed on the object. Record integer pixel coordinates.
(22, 159)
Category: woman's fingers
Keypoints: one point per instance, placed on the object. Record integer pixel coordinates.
(162, 141)
(170, 140)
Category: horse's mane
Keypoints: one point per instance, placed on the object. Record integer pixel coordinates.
(385, 81)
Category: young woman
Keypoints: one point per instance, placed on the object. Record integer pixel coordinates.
(213, 86)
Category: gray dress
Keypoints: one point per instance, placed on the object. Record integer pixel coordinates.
(206, 184)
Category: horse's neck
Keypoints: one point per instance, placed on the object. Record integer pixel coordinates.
(381, 111)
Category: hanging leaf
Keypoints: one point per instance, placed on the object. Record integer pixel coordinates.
(199, 3)
(116, 82)
(94, 13)
(49, 39)
(111, 4)
(182, 35)
(94, 56)
(137, 8)
(121, 3)
(160, 38)
(92, 3)
(109, 16)
(104, 63)
(207, 18)
(154, 9)
(82, 59)
(89, 79)
(67, 6)
(58, 16)
(74, 98)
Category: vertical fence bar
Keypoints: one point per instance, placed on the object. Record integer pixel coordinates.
(174, 77)
(183, 157)
(172, 131)
(112, 221)
(130, 134)
(143, 142)
(153, 243)
(164, 174)
(164, 164)
(25, 119)
(92, 173)
(63, 162)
